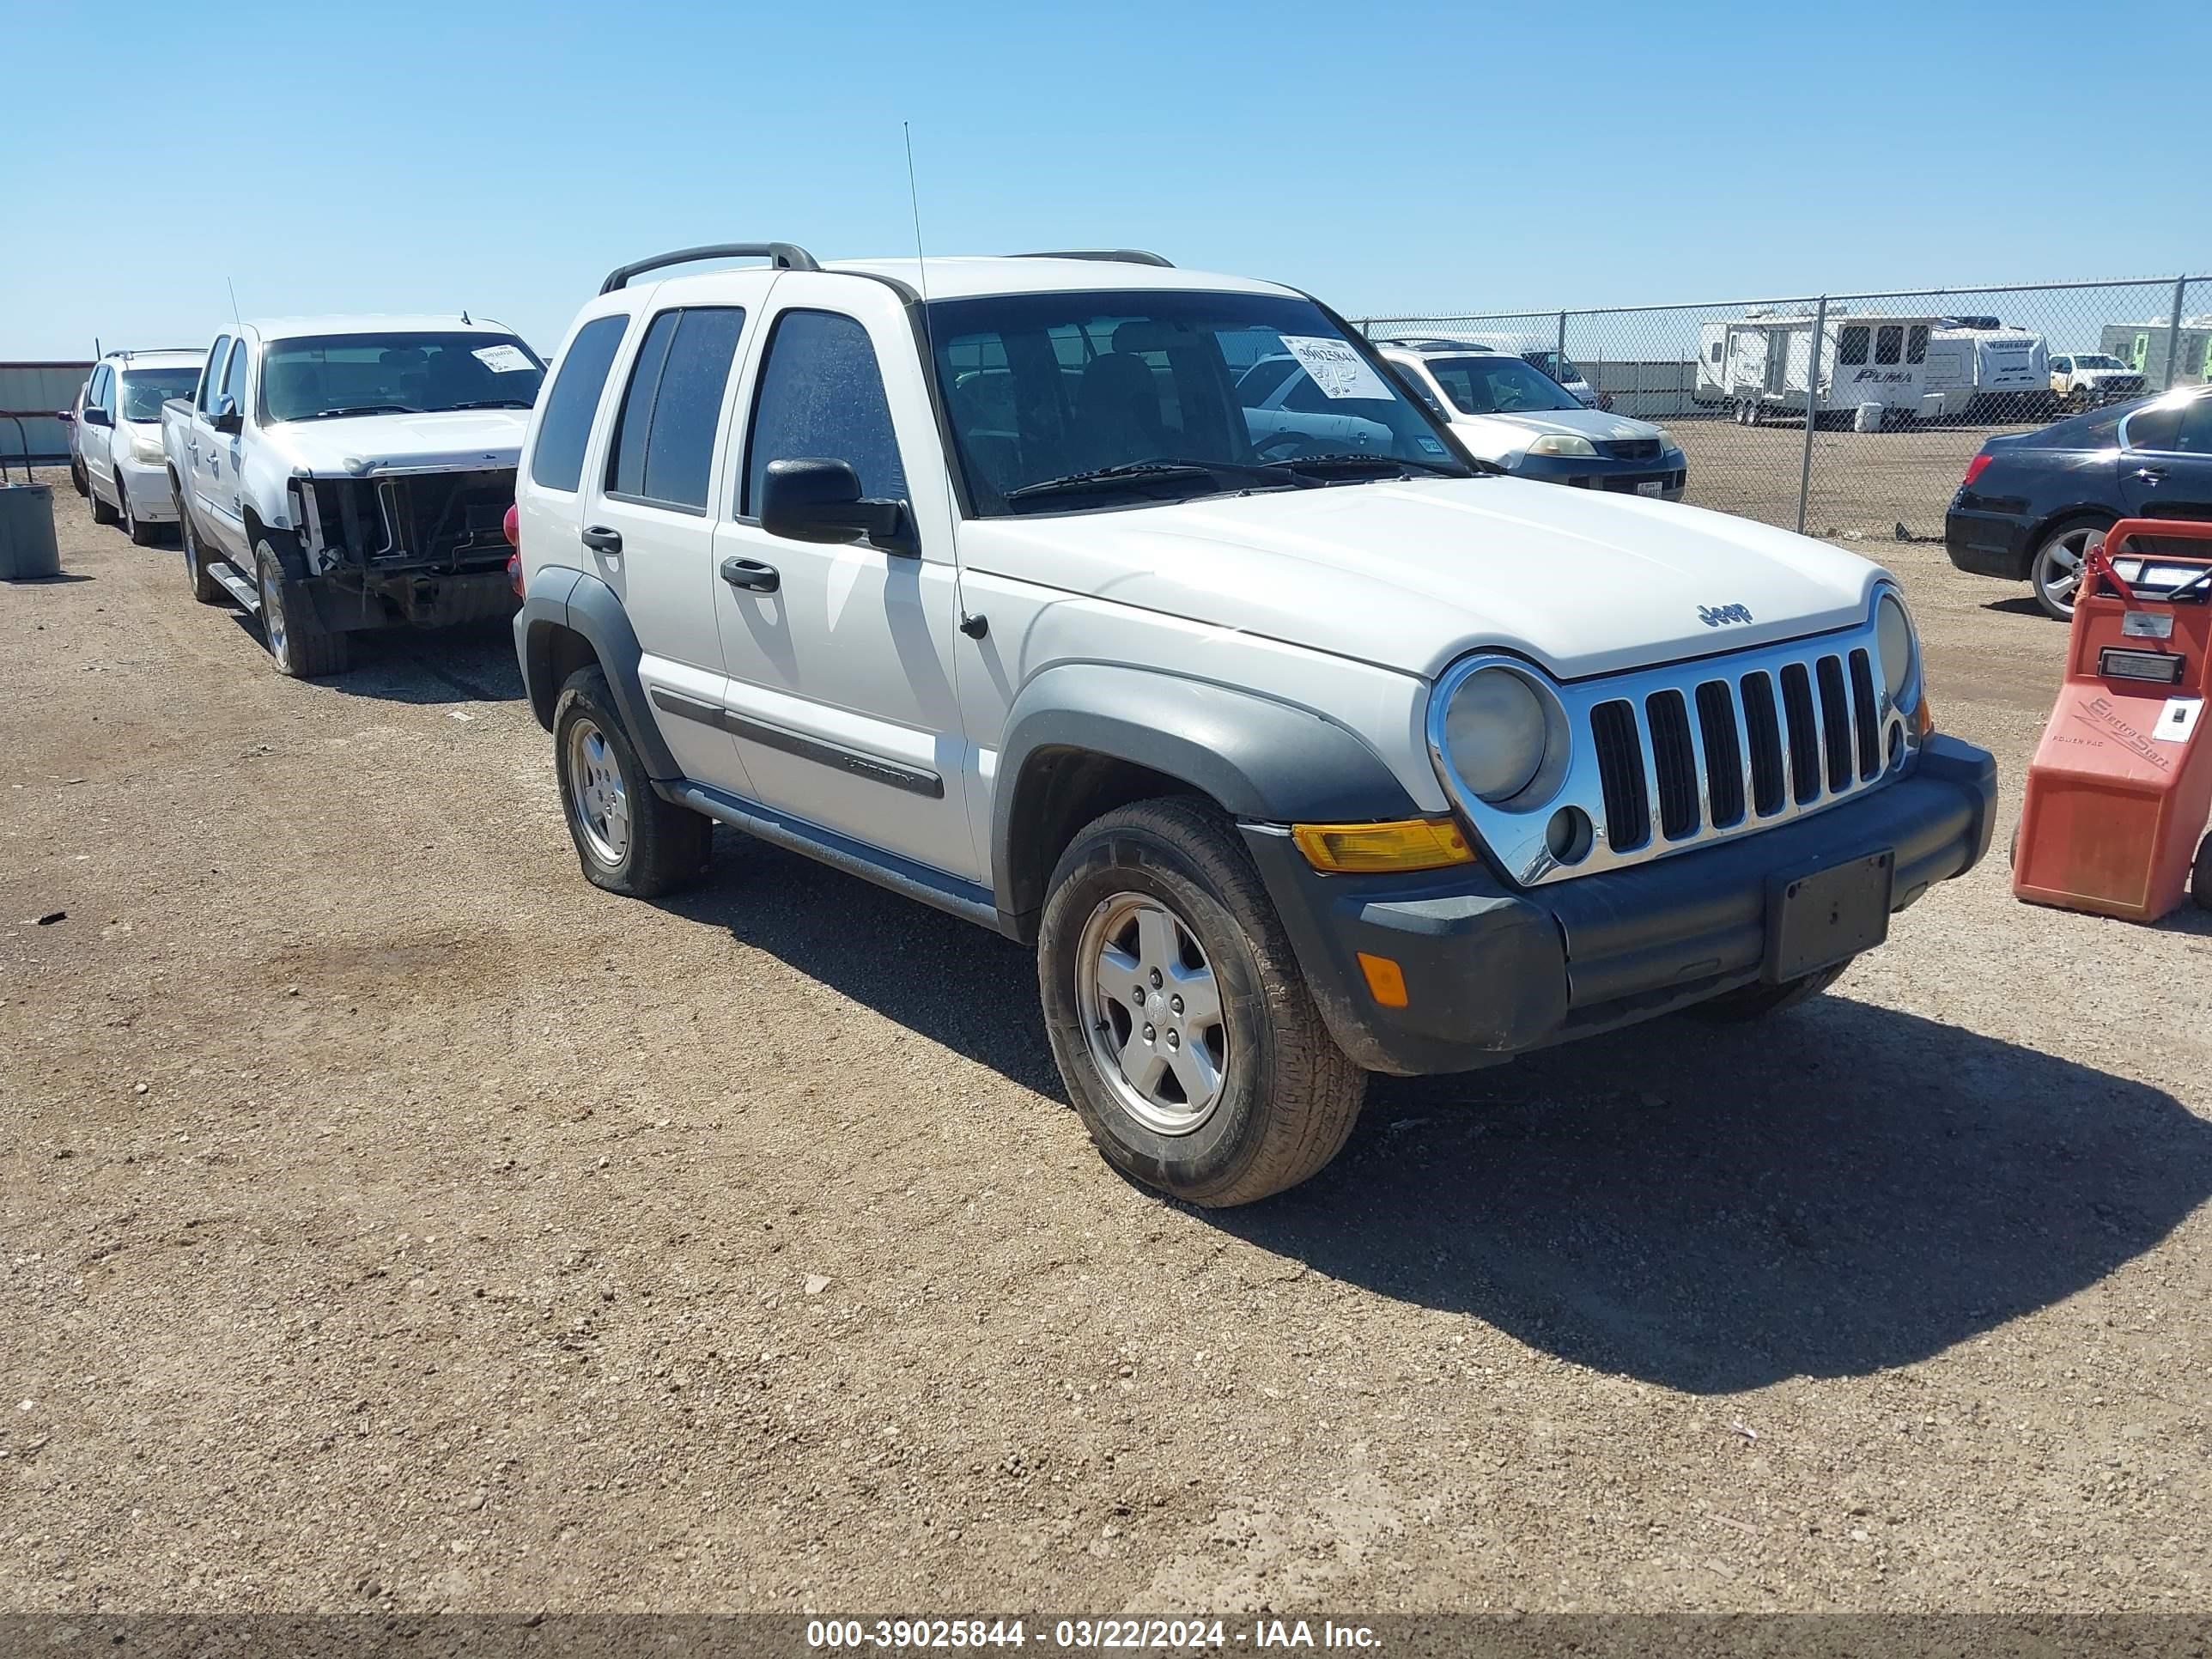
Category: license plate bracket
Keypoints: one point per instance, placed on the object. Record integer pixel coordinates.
(1817, 918)
(1649, 486)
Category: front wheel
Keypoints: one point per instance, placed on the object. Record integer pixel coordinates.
(1182, 1024)
(77, 478)
(2200, 877)
(141, 534)
(102, 512)
(297, 644)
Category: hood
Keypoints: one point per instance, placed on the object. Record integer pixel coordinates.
(1494, 436)
(460, 439)
(2108, 374)
(1410, 575)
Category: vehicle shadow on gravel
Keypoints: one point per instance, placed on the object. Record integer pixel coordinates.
(472, 663)
(1844, 1188)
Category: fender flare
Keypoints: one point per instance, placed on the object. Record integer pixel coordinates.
(560, 599)
(1258, 758)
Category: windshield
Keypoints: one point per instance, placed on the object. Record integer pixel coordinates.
(1498, 385)
(1043, 388)
(342, 374)
(2097, 360)
(144, 389)
(1560, 368)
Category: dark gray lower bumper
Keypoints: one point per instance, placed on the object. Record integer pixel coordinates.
(1492, 971)
(349, 600)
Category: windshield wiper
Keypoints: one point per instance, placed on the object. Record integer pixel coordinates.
(491, 403)
(362, 409)
(1139, 473)
(1363, 461)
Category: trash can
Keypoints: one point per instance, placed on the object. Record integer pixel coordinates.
(27, 549)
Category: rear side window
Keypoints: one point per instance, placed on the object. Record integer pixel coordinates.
(1888, 344)
(821, 397)
(2155, 428)
(1851, 346)
(664, 443)
(2197, 427)
(1916, 344)
(558, 462)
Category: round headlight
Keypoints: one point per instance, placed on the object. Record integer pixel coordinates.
(1495, 732)
(1894, 634)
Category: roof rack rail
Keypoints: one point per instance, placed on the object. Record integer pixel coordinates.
(784, 255)
(148, 351)
(1112, 255)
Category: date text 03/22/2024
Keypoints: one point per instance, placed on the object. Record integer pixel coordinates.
(1082, 1634)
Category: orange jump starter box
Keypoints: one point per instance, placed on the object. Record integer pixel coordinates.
(2121, 785)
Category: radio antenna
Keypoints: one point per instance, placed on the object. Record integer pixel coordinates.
(233, 287)
(974, 627)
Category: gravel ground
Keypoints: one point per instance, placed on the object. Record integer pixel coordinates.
(391, 1219)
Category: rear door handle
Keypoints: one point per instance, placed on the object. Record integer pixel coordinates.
(600, 539)
(752, 573)
(2150, 474)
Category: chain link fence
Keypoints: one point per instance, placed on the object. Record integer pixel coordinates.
(1902, 387)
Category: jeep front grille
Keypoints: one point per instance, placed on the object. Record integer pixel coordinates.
(1689, 753)
(1666, 760)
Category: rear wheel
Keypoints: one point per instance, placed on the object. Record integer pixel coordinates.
(1184, 1029)
(76, 478)
(297, 644)
(2200, 878)
(629, 840)
(2056, 571)
(205, 588)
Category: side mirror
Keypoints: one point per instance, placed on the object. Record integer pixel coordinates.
(96, 415)
(66, 417)
(810, 499)
(227, 418)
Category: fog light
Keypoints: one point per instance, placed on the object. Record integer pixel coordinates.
(1567, 836)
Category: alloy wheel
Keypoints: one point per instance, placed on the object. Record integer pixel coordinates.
(1152, 1007)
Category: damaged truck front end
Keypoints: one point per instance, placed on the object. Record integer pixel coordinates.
(400, 546)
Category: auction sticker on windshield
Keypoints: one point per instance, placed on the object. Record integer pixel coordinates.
(1336, 368)
(503, 359)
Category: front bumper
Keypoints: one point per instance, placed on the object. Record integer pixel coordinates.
(147, 484)
(1492, 971)
(349, 600)
(1670, 473)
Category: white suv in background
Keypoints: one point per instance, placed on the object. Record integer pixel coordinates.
(119, 466)
(1294, 756)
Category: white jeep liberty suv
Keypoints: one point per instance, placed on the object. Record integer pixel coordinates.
(1299, 748)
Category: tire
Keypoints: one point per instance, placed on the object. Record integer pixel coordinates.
(77, 481)
(629, 840)
(142, 535)
(1757, 1001)
(102, 512)
(297, 645)
(2200, 877)
(1162, 894)
(205, 588)
(2055, 572)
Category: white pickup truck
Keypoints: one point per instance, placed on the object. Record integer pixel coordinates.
(1293, 759)
(337, 474)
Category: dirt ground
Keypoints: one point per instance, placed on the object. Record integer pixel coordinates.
(390, 1219)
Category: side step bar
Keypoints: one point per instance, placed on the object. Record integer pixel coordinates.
(239, 588)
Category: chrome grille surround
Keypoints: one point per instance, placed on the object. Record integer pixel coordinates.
(1798, 743)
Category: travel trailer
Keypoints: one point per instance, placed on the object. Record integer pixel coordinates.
(1758, 365)
(1983, 368)
(2144, 346)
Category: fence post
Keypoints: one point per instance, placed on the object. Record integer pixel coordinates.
(2173, 332)
(1559, 358)
(1812, 407)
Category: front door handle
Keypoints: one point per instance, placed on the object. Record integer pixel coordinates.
(752, 573)
(600, 539)
(2150, 474)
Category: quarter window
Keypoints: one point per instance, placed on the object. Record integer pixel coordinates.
(1888, 343)
(821, 397)
(557, 460)
(1851, 346)
(664, 442)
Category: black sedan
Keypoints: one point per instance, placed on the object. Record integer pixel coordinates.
(2032, 503)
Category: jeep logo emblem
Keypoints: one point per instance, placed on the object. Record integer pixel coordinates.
(1714, 616)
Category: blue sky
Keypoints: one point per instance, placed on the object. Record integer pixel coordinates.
(502, 157)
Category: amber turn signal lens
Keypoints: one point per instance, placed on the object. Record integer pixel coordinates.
(1924, 717)
(1386, 980)
(1370, 848)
